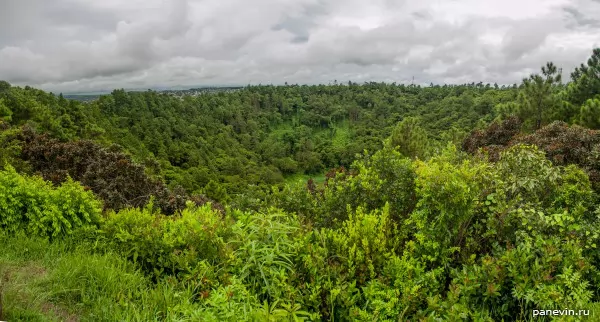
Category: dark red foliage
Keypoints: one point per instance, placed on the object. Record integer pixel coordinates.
(497, 134)
(566, 145)
(311, 186)
(563, 144)
(335, 174)
(108, 172)
(201, 200)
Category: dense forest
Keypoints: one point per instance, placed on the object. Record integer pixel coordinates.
(340, 202)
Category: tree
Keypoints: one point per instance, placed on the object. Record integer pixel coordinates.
(538, 99)
(215, 191)
(5, 112)
(590, 114)
(585, 80)
(4, 86)
(409, 138)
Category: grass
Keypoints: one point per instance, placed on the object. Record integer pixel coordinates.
(24, 267)
(44, 281)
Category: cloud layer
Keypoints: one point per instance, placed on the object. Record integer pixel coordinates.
(78, 45)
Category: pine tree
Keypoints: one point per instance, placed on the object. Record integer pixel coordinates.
(590, 114)
(538, 100)
(409, 138)
(585, 80)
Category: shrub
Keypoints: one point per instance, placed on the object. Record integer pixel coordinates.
(373, 181)
(447, 190)
(566, 145)
(168, 244)
(266, 245)
(499, 133)
(363, 245)
(563, 144)
(33, 205)
(108, 172)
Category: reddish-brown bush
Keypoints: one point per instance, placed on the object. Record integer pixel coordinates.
(497, 134)
(108, 172)
(563, 144)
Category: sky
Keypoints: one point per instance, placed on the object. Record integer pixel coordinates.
(85, 45)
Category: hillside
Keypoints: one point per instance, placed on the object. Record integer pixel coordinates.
(344, 202)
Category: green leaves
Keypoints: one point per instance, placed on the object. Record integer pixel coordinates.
(168, 244)
(34, 206)
(586, 80)
(410, 138)
(538, 100)
(265, 253)
(590, 113)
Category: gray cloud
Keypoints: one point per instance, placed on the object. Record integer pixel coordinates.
(301, 23)
(580, 19)
(84, 45)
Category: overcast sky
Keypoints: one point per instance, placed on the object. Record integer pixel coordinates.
(84, 45)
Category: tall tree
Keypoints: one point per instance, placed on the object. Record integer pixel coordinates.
(539, 99)
(585, 80)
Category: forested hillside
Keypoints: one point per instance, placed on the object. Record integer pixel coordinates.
(343, 202)
(262, 134)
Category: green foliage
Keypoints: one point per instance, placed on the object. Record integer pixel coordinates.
(526, 173)
(562, 144)
(415, 230)
(364, 243)
(108, 172)
(410, 138)
(10, 148)
(265, 248)
(590, 114)
(33, 205)
(447, 190)
(259, 134)
(402, 293)
(585, 80)
(384, 178)
(168, 244)
(482, 241)
(538, 100)
(215, 191)
(4, 86)
(5, 112)
(373, 181)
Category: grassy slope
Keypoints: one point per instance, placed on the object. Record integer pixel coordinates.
(44, 281)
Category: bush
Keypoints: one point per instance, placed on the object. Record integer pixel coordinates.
(447, 190)
(566, 145)
(363, 245)
(33, 205)
(373, 181)
(173, 245)
(108, 172)
(563, 144)
(499, 133)
(265, 248)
